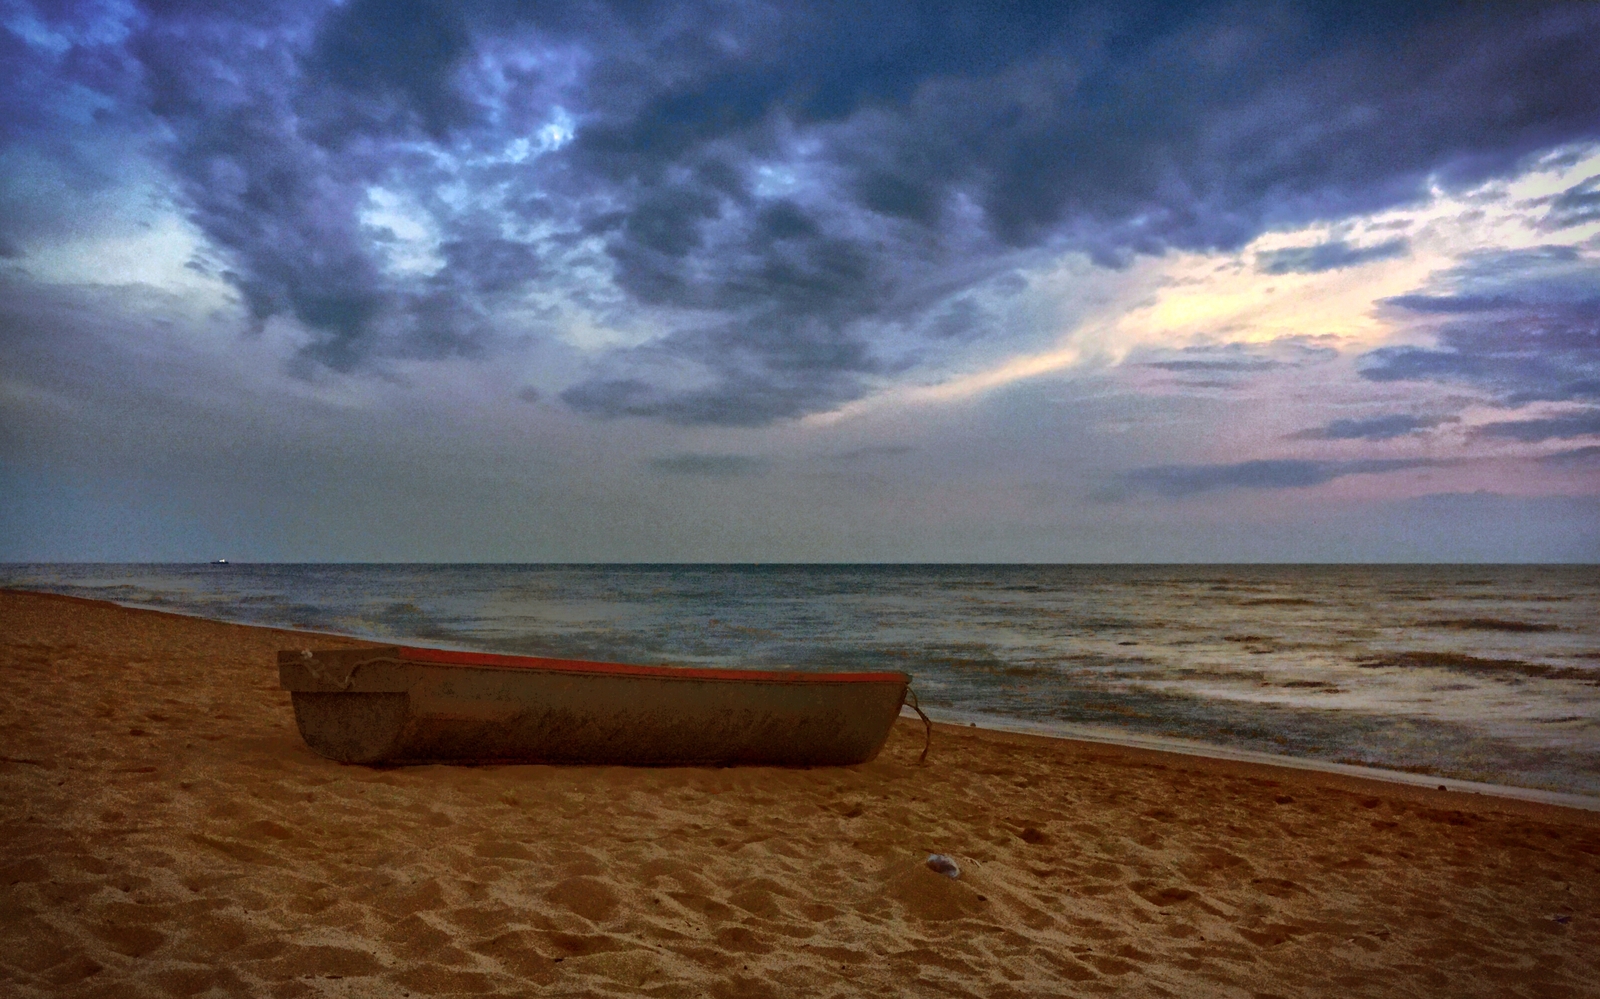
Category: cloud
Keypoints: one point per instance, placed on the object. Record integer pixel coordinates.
(275, 150)
(1216, 365)
(1329, 256)
(788, 196)
(710, 466)
(1580, 424)
(1574, 456)
(1230, 365)
(873, 451)
(1374, 428)
(390, 65)
(751, 374)
(1523, 325)
(1496, 280)
(1577, 205)
(1178, 481)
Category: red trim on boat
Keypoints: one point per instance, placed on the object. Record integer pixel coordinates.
(448, 658)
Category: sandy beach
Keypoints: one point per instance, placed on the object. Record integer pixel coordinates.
(165, 832)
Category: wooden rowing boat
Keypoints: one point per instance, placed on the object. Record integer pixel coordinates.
(399, 704)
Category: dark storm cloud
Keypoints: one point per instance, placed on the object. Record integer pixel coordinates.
(1177, 481)
(390, 66)
(1584, 423)
(1374, 428)
(1329, 256)
(62, 147)
(787, 189)
(769, 367)
(274, 151)
(1524, 325)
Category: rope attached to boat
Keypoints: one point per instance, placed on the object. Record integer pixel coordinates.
(927, 726)
(318, 674)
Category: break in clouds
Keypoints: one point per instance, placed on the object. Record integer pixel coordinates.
(776, 206)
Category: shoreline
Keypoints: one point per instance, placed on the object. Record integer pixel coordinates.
(164, 830)
(1421, 790)
(1062, 731)
(1210, 751)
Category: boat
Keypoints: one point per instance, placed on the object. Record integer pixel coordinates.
(219, 561)
(399, 704)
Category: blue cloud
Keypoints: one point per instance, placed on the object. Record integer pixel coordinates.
(873, 451)
(1523, 325)
(1216, 365)
(1574, 456)
(1177, 481)
(1375, 428)
(711, 466)
(1585, 423)
(787, 175)
(1224, 365)
(1577, 205)
(1330, 256)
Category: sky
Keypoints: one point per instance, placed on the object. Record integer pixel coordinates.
(405, 280)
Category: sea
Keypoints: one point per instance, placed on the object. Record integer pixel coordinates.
(1479, 673)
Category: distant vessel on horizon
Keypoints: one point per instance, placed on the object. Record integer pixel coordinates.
(219, 561)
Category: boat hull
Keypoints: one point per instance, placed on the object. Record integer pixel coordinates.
(397, 705)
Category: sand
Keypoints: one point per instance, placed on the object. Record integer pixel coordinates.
(164, 831)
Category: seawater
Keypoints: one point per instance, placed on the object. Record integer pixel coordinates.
(1486, 673)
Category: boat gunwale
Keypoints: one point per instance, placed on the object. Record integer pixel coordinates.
(491, 660)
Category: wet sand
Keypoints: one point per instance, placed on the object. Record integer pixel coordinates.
(164, 831)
